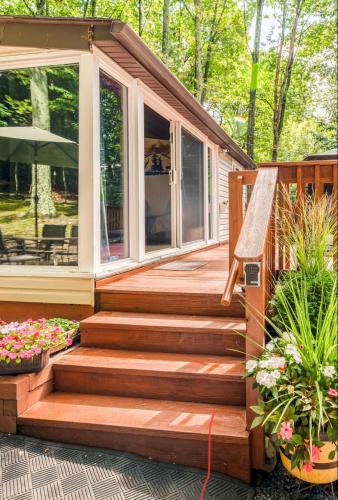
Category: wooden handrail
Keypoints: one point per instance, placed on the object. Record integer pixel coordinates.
(231, 282)
(285, 164)
(252, 238)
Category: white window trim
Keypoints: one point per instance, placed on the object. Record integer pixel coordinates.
(34, 60)
(89, 165)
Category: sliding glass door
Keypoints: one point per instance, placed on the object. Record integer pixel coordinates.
(192, 188)
(157, 181)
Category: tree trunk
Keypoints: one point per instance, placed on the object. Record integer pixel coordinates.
(216, 20)
(253, 84)
(41, 119)
(140, 17)
(93, 8)
(198, 51)
(165, 27)
(283, 78)
(207, 64)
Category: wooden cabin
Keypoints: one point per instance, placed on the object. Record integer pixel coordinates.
(144, 238)
(150, 180)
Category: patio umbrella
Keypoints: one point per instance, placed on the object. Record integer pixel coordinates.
(37, 147)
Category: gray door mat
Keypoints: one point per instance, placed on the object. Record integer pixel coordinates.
(181, 265)
(32, 469)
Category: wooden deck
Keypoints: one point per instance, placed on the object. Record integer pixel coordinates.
(209, 278)
(155, 290)
(159, 357)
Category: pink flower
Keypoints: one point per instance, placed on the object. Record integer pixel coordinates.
(17, 345)
(26, 354)
(12, 355)
(286, 430)
(332, 392)
(69, 342)
(315, 453)
(308, 467)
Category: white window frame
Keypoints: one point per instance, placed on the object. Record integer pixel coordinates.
(36, 60)
(139, 94)
(113, 70)
(214, 194)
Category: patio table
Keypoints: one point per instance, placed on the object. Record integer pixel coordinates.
(47, 239)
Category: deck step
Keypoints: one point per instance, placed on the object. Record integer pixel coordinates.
(180, 377)
(165, 430)
(164, 332)
(124, 297)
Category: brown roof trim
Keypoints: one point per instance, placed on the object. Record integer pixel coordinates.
(19, 31)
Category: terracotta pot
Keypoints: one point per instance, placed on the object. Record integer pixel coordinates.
(324, 470)
(34, 364)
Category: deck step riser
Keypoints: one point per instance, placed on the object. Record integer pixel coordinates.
(198, 304)
(228, 458)
(182, 387)
(163, 341)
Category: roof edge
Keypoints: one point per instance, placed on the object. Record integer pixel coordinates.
(132, 42)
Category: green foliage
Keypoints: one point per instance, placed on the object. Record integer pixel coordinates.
(297, 375)
(319, 289)
(310, 121)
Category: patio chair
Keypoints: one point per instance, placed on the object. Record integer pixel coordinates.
(69, 254)
(49, 248)
(13, 252)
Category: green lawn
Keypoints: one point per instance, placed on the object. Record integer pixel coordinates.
(16, 220)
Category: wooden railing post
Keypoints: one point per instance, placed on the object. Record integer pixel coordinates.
(255, 300)
(235, 211)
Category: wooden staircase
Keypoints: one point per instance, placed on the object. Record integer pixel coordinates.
(149, 373)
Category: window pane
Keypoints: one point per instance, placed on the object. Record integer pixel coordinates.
(192, 186)
(114, 179)
(39, 200)
(157, 188)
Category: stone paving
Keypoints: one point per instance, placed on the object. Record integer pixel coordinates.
(37, 470)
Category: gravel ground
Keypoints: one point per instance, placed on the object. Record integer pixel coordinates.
(280, 485)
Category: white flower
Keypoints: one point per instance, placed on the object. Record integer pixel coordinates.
(293, 351)
(290, 389)
(270, 346)
(328, 371)
(273, 362)
(289, 337)
(268, 379)
(251, 365)
(275, 374)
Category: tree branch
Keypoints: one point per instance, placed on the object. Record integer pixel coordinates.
(29, 8)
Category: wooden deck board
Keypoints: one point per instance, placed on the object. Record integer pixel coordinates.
(208, 279)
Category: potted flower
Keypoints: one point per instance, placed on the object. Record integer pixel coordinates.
(70, 329)
(297, 378)
(24, 347)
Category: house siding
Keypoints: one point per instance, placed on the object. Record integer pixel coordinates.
(226, 164)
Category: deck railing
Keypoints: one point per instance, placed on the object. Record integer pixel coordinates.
(253, 237)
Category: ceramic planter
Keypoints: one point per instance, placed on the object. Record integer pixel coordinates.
(324, 470)
(34, 364)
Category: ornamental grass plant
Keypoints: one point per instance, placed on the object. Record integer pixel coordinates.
(297, 372)
(296, 375)
(307, 230)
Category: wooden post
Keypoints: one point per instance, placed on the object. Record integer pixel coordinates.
(318, 190)
(235, 211)
(255, 299)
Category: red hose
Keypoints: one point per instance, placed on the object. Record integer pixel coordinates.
(209, 455)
